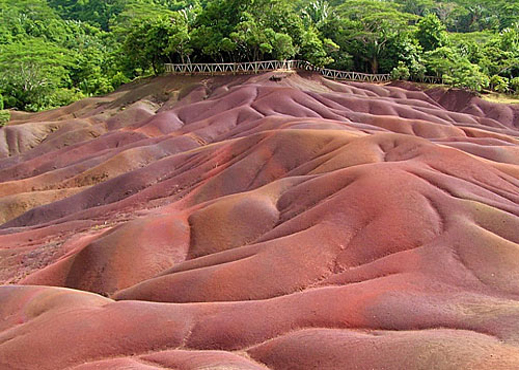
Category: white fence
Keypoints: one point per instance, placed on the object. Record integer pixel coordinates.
(354, 76)
(244, 67)
(275, 65)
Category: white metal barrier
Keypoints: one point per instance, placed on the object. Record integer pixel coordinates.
(274, 65)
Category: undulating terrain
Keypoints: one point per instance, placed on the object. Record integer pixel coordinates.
(251, 222)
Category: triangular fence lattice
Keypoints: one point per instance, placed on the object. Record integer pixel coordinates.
(280, 65)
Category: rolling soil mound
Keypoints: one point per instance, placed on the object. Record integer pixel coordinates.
(244, 222)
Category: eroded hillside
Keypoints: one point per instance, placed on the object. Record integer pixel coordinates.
(246, 223)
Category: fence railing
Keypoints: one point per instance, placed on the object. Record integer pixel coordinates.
(243, 67)
(274, 65)
(430, 80)
(354, 76)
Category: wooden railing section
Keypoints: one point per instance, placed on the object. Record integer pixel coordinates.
(280, 65)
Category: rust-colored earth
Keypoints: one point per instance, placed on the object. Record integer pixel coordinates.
(243, 223)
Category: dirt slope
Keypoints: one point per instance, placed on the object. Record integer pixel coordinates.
(243, 223)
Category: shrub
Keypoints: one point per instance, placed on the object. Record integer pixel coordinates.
(400, 72)
(118, 79)
(499, 83)
(466, 75)
(1, 102)
(4, 117)
(514, 84)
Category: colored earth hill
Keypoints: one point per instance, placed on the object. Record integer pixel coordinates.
(250, 222)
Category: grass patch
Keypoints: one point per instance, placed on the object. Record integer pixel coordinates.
(501, 98)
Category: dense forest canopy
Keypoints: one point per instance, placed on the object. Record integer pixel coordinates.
(57, 51)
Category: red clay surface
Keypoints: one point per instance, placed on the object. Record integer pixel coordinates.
(242, 223)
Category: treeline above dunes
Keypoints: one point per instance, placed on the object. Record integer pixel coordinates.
(57, 51)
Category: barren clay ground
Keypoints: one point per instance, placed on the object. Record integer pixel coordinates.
(243, 223)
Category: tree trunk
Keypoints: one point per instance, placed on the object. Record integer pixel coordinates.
(374, 65)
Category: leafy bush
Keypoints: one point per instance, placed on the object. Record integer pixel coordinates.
(456, 69)
(5, 116)
(499, 83)
(514, 85)
(467, 79)
(118, 79)
(400, 72)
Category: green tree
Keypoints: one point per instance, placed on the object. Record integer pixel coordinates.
(34, 72)
(283, 47)
(317, 51)
(403, 48)
(96, 12)
(431, 33)
(372, 24)
(179, 40)
(455, 69)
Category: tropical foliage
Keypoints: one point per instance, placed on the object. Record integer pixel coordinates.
(53, 52)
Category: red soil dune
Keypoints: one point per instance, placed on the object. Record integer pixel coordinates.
(243, 223)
